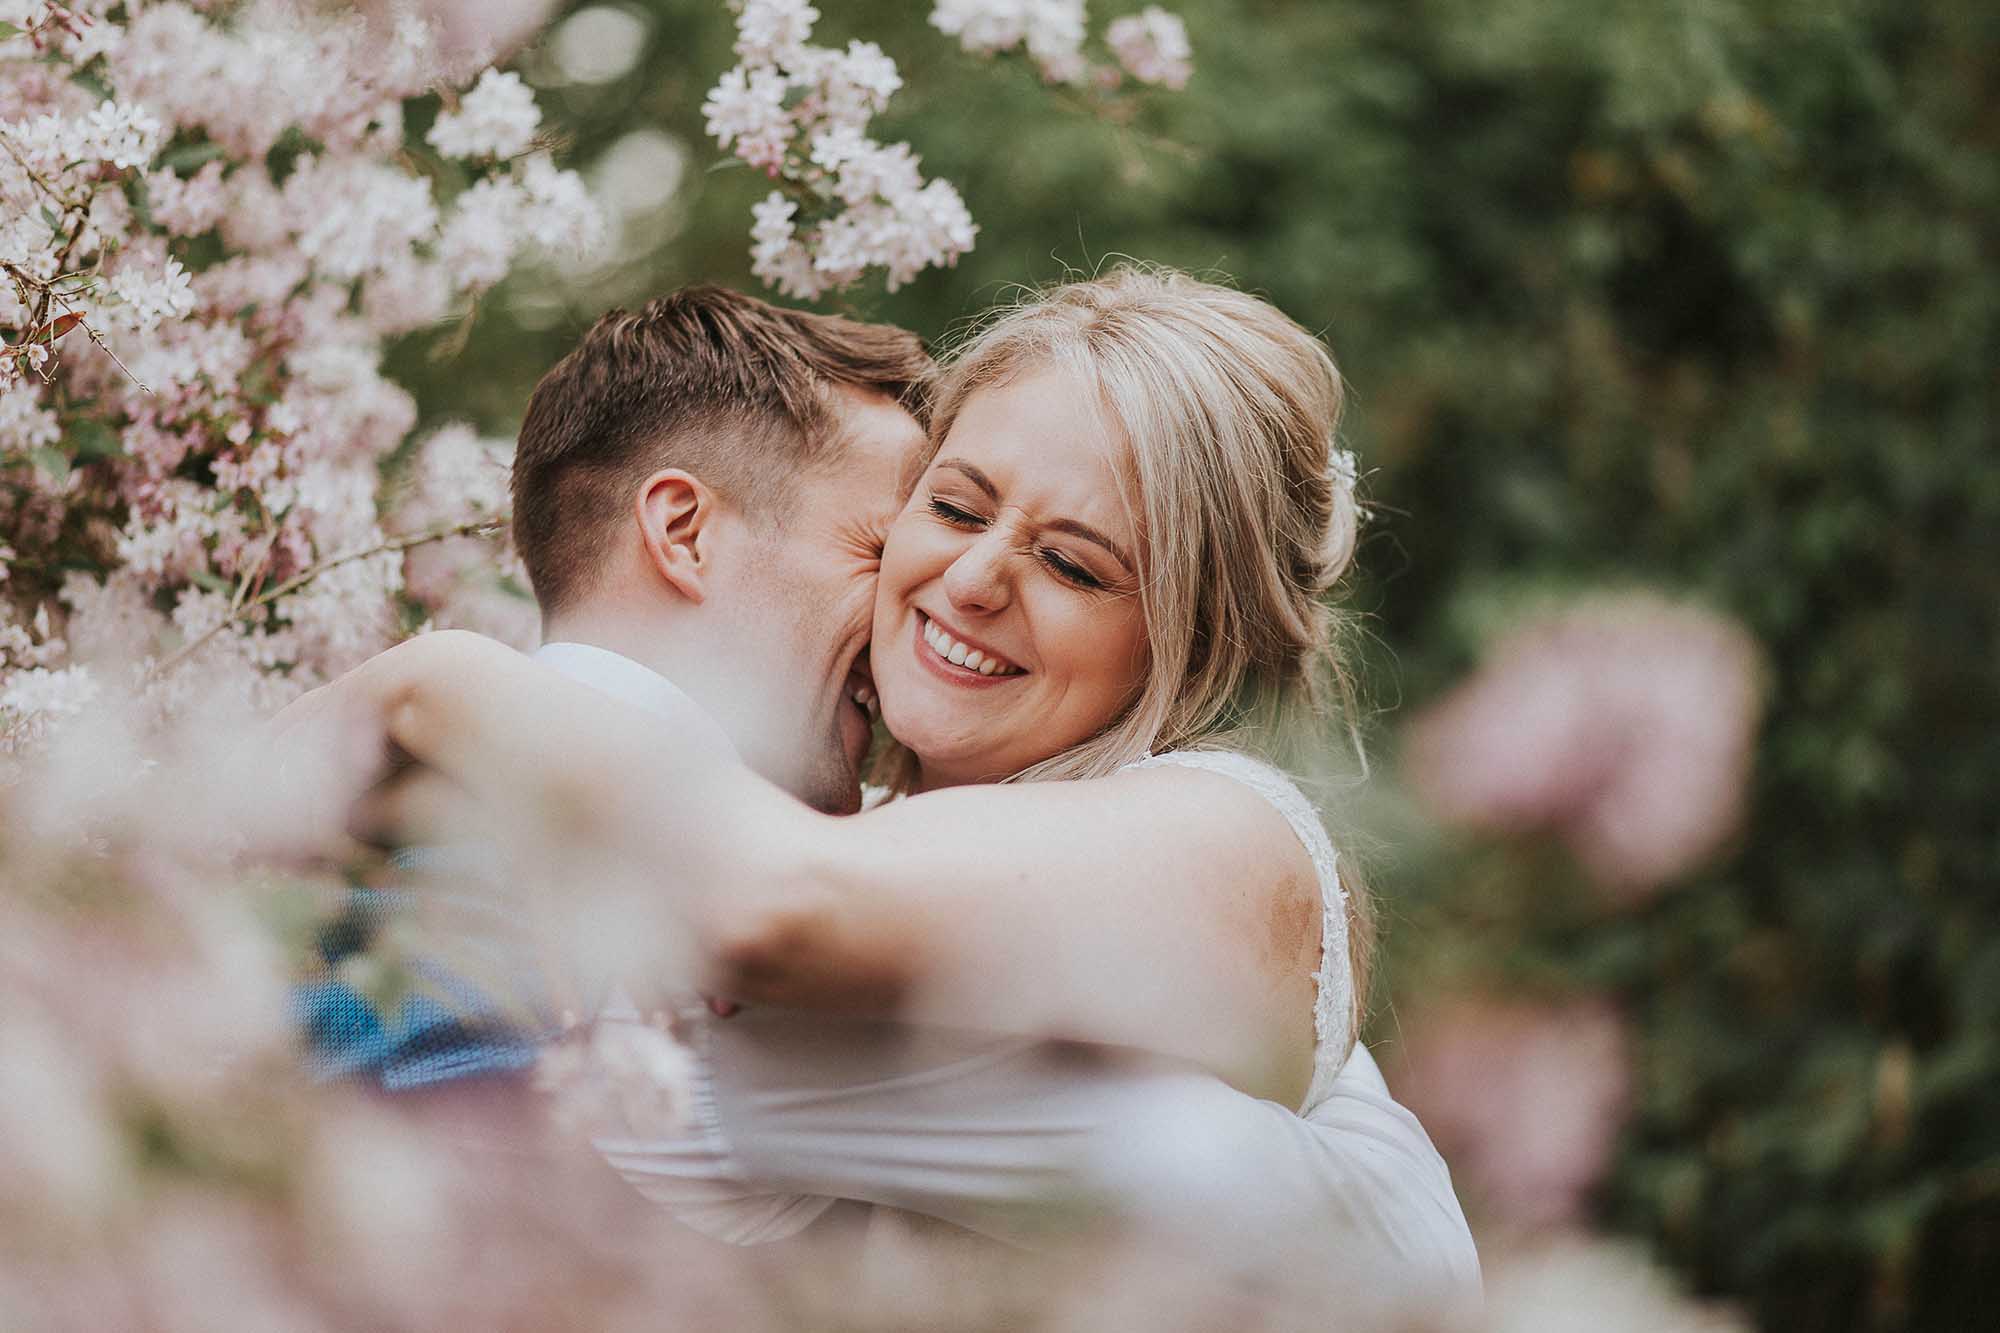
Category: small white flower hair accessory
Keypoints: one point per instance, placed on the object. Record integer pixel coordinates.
(1343, 469)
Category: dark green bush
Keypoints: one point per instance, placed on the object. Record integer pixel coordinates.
(1700, 294)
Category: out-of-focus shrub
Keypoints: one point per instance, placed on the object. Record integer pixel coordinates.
(1695, 296)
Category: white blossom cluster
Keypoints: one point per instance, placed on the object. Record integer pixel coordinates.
(1150, 47)
(1050, 31)
(192, 411)
(1153, 47)
(800, 114)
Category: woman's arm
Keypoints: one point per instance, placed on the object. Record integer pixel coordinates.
(1169, 909)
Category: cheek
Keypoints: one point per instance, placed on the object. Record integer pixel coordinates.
(914, 553)
(899, 576)
(1103, 652)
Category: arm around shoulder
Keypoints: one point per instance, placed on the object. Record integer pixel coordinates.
(1168, 909)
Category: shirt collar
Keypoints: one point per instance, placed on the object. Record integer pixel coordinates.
(628, 681)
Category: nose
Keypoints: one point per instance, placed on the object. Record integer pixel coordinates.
(980, 580)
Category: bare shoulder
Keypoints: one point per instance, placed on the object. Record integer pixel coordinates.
(1233, 833)
(1225, 796)
(1254, 887)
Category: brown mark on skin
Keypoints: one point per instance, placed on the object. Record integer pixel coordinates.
(1292, 947)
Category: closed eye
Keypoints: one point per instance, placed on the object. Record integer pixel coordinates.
(1068, 569)
(952, 514)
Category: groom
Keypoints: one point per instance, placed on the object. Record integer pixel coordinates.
(701, 493)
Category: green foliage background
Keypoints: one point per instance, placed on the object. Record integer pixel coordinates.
(1701, 294)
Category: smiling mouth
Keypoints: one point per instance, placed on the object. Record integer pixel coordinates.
(960, 654)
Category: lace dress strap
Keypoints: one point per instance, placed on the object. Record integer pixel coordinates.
(1333, 1005)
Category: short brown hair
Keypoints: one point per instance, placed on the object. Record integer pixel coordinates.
(734, 389)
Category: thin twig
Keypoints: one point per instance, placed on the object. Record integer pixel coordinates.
(69, 205)
(478, 527)
(105, 348)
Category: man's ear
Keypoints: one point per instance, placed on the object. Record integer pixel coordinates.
(677, 515)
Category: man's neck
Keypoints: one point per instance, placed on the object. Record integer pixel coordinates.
(683, 647)
(721, 665)
(628, 637)
(679, 651)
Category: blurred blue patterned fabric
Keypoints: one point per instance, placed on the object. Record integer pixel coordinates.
(445, 1030)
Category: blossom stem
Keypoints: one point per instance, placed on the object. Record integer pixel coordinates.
(478, 527)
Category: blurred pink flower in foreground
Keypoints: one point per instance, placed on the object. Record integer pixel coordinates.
(472, 33)
(1624, 725)
(1578, 1286)
(1523, 1099)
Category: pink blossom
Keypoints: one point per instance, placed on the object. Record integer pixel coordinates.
(1051, 31)
(57, 1141)
(746, 102)
(1153, 47)
(773, 31)
(407, 293)
(498, 118)
(1624, 726)
(463, 35)
(456, 476)
(150, 296)
(622, 1077)
(25, 422)
(52, 694)
(800, 113)
(561, 217)
(348, 215)
(1573, 1285)
(187, 207)
(480, 237)
(1524, 1100)
(266, 368)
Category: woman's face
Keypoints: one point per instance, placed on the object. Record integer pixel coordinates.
(1007, 620)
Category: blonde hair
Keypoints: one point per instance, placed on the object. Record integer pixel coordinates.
(1244, 501)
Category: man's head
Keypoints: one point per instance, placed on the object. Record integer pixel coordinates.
(703, 485)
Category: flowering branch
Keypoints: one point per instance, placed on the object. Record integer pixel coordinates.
(845, 203)
(227, 456)
(1150, 47)
(239, 609)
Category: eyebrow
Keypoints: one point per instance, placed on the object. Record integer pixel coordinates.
(1068, 525)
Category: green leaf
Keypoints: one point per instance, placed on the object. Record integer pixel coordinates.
(51, 463)
(90, 439)
(48, 216)
(91, 84)
(9, 30)
(190, 155)
(210, 580)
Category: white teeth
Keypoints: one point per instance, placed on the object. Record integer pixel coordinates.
(959, 654)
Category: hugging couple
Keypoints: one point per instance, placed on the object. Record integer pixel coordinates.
(1085, 957)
